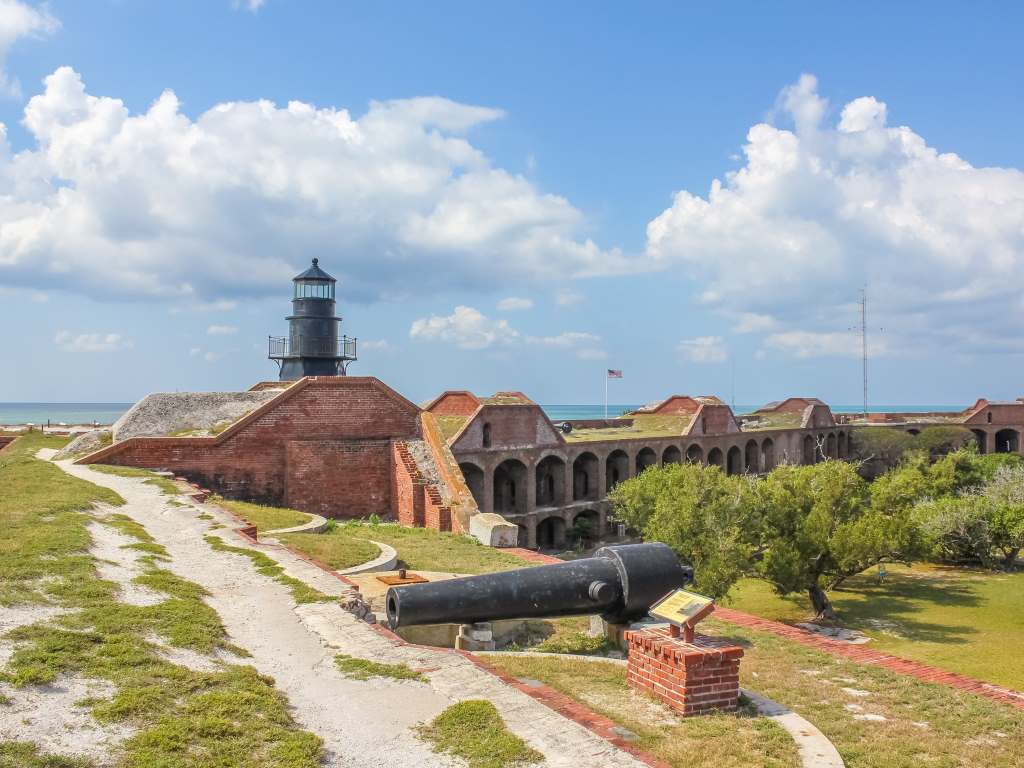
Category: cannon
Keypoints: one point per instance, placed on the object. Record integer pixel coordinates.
(619, 582)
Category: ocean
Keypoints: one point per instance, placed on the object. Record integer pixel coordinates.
(12, 414)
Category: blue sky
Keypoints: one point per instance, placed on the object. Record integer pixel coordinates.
(515, 198)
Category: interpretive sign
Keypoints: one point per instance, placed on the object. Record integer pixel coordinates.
(682, 608)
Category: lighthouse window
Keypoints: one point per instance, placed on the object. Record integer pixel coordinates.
(311, 290)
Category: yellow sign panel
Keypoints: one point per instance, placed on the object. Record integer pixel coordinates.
(682, 607)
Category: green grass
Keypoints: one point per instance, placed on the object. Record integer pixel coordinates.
(301, 591)
(165, 484)
(420, 549)
(958, 619)
(644, 425)
(361, 669)
(474, 731)
(772, 421)
(926, 724)
(229, 718)
(721, 740)
(450, 425)
(21, 754)
(264, 518)
(575, 642)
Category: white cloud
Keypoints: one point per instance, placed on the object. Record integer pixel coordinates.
(207, 355)
(514, 303)
(230, 204)
(250, 5)
(821, 209)
(703, 349)
(379, 345)
(568, 298)
(468, 328)
(222, 330)
(20, 20)
(806, 344)
(91, 342)
(751, 322)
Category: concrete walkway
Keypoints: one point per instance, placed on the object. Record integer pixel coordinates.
(362, 723)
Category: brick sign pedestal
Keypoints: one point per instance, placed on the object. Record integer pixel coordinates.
(691, 677)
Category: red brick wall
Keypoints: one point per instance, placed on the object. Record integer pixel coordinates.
(455, 404)
(692, 678)
(7, 440)
(248, 460)
(512, 426)
(678, 404)
(339, 478)
(407, 495)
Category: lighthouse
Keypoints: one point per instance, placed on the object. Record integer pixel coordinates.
(313, 346)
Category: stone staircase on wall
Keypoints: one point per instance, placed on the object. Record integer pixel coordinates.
(420, 501)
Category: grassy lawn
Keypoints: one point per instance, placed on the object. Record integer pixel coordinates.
(958, 619)
(924, 724)
(474, 731)
(226, 718)
(721, 740)
(418, 548)
(264, 518)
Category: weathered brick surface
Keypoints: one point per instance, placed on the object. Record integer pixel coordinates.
(692, 678)
(455, 403)
(339, 478)
(6, 440)
(250, 459)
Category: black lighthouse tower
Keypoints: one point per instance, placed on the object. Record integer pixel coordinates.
(312, 347)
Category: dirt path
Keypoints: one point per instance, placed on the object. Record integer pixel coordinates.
(362, 723)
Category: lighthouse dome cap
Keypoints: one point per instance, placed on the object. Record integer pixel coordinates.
(315, 273)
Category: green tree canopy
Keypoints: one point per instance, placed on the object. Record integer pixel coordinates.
(706, 516)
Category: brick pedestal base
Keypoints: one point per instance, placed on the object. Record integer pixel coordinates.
(692, 678)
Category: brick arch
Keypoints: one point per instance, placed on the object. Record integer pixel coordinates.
(510, 487)
(752, 457)
(767, 455)
(551, 531)
(695, 454)
(549, 474)
(646, 457)
(716, 457)
(473, 474)
(672, 455)
(734, 461)
(586, 469)
(617, 468)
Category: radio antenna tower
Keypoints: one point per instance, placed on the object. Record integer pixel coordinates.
(864, 344)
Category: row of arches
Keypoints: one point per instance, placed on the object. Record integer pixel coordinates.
(557, 483)
(1003, 441)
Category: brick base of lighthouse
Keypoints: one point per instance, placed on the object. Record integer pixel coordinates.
(692, 678)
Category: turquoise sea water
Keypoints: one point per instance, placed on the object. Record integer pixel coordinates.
(107, 413)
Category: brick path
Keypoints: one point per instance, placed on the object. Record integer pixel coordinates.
(864, 655)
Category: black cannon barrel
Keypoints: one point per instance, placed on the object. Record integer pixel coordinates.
(619, 582)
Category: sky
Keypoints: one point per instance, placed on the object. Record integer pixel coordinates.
(516, 197)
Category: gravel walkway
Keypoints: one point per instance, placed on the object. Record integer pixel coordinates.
(362, 723)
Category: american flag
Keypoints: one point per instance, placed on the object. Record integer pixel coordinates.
(614, 374)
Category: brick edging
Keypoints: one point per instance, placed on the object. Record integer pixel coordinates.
(862, 655)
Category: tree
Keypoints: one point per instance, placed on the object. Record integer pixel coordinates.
(1005, 496)
(955, 528)
(819, 529)
(705, 515)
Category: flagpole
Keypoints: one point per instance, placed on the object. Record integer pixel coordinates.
(606, 395)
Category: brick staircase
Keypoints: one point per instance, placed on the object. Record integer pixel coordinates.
(426, 507)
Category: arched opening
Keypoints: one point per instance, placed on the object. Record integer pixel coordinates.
(586, 527)
(734, 463)
(982, 439)
(524, 536)
(751, 457)
(830, 445)
(913, 431)
(474, 477)
(510, 487)
(842, 446)
(1007, 441)
(645, 458)
(550, 482)
(487, 435)
(695, 454)
(616, 468)
(551, 533)
(716, 458)
(988, 417)
(584, 477)
(672, 455)
(767, 455)
(809, 449)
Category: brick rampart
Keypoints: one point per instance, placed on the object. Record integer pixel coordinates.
(249, 460)
(692, 678)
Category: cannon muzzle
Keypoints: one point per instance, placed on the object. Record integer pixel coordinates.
(619, 582)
